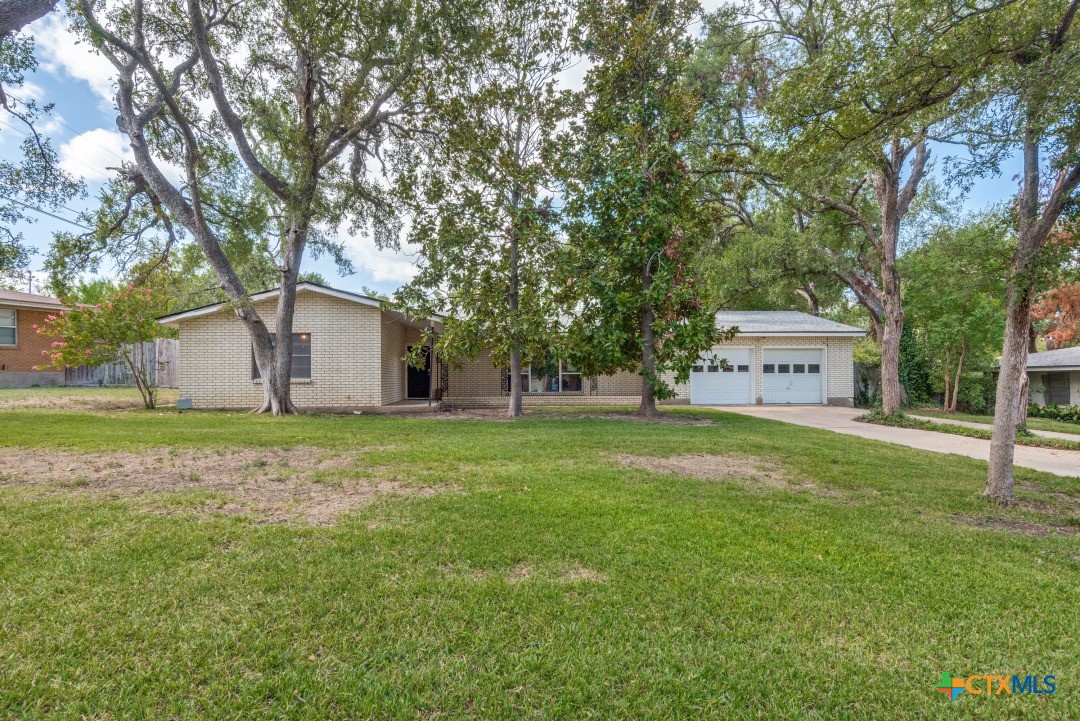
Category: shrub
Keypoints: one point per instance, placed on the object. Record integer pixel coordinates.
(1068, 414)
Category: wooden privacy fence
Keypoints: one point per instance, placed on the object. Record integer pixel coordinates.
(164, 354)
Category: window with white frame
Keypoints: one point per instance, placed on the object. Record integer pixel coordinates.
(551, 376)
(9, 322)
(301, 357)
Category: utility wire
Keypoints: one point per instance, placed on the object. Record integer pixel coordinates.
(44, 212)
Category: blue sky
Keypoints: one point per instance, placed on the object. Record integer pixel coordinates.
(83, 128)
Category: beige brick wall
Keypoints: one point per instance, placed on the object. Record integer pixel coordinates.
(357, 353)
(346, 356)
(396, 339)
(483, 379)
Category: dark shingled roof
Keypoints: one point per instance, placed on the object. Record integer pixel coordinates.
(1060, 359)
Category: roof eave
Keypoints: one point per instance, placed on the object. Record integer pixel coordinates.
(173, 320)
(804, 334)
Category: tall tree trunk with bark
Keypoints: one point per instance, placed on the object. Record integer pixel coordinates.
(17, 14)
(648, 349)
(1035, 220)
(514, 299)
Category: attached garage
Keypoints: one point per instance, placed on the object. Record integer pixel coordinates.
(792, 375)
(777, 357)
(723, 378)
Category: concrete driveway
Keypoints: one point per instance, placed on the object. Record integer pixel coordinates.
(841, 420)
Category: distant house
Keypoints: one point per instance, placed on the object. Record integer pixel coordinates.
(348, 352)
(20, 345)
(1054, 377)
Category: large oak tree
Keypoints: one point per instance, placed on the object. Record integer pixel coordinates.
(307, 98)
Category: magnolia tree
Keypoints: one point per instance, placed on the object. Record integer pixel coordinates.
(113, 331)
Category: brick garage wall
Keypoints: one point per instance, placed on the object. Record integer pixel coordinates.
(17, 362)
(346, 356)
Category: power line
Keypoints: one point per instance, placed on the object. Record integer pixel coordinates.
(107, 173)
(45, 212)
(61, 122)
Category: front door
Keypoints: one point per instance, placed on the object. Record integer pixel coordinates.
(418, 380)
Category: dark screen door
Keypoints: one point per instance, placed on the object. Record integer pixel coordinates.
(418, 380)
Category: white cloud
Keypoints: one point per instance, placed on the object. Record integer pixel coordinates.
(66, 56)
(90, 154)
(384, 266)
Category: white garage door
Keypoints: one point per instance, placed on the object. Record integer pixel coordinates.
(792, 375)
(714, 383)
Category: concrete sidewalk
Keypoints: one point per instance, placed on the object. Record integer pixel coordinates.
(842, 420)
(988, 427)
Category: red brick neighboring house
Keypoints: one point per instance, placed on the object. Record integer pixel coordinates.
(20, 345)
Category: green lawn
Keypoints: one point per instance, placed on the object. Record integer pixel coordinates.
(545, 580)
(1038, 424)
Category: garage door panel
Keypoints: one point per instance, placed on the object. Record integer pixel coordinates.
(727, 383)
(791, 375)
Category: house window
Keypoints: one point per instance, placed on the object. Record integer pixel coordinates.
(8, 326)
(697, 369)
(728, 368)
(570, 379)
(714, 368)
(301, 357)
(813, 368)
(783, 368)
(798, 368)
(768, 368)
(744, 369)
(552, 376)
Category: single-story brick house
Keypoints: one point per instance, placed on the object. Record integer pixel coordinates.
(348, 352)
(1054, 377)
(20, 345)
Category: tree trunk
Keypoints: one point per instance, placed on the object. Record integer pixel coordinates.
(948, 381)
(17, 14)
(892, 394)
(275, 367)
(1022, 405)
(959, 370)
(648, 350)
(1013, 371)
(1012, 375)
(515, 410)
(886, 187)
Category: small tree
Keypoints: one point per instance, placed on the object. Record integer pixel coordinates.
(113, 331)
(954, 292)
(635, 231)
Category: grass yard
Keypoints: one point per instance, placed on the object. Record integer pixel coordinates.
(219, 565)
(1038, 424)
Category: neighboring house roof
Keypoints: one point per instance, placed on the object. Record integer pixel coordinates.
(1062, 359)
(173, 319)
(15, 298)
(783, 323)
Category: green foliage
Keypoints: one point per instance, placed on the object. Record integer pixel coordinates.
(480, 196)
(1067, 414)
(954, 298)
(914, 368)
(32, 177)
(634, 230)
(112, 331)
